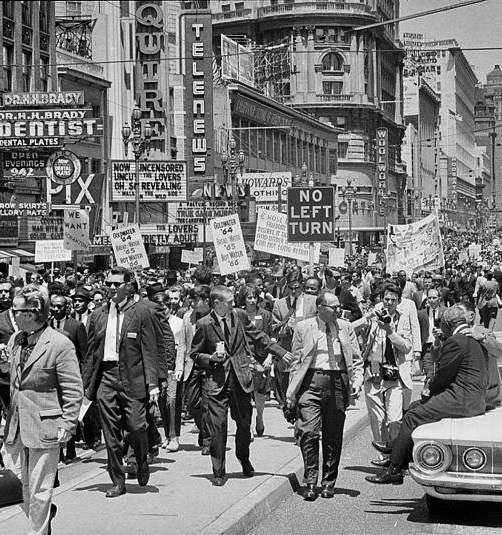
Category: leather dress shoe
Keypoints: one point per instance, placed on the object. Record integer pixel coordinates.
(381, 447)
(205, 450)
(260, 429)
(247, 468)
(219, 481)
(381, 462)
(309, 494)
(328, 491)
(116, 491)
(131, 470)
(143, 474)
(392, 474)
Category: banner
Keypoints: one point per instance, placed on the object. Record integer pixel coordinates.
(336, 257)
(229, 244)
(51, 251)
(192, 257)
(475, 251)
(76, 230)
(415, 246)
(272, 237)
(129, 248)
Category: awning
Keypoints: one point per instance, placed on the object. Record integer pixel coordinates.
(6, 254)
(19, 252)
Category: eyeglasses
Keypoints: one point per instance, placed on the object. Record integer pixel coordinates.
(19, 310)
(295, 287)
(333, 307)
(111, 283)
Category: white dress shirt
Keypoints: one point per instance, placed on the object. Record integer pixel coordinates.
(112, 336)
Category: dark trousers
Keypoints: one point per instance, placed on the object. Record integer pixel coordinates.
(281, 381)
(241, 410)
(486, 314)
(196, 400)
(123, 418)
(428, 363)
(321, 411)
(92, 425)
(417, 414)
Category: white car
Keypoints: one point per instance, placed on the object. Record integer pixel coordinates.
(459, 459)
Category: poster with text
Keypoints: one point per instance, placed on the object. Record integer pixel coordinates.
(76, 230)
(415, 246)
(129, 248)
(192, 257)
(229, 244)
(272, 237)
(51, 251)
(336, 257)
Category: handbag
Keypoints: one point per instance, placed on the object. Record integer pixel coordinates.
(11, 490)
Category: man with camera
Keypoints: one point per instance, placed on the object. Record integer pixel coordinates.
(387, 355)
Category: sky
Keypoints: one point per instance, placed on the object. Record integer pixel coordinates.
(478, 25)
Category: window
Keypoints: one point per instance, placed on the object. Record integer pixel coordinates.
(26, 73)
(343, 147)
(225, 8)
(44, 73)
(332, 62)
(8, 9)
(332, 88)
(26, 12)
(44, 17)
(95, 165)
(239, 6)
(7, 67)
(333, 159)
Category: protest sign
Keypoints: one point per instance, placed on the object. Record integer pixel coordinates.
(76, 230)
(371, 258)
(336, 257)
(229, 244)
(463, 257)
(51, 251)
(129, 248)
(272, 237)
(474, 251)
(415, 246)
(191, 257)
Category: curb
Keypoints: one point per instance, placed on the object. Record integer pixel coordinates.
(242, 517)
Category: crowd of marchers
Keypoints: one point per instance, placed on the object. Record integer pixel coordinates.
(115, 356)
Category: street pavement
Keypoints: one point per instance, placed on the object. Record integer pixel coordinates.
(180, 497)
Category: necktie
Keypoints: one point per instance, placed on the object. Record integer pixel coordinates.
(329, 342)
(226, 330)
(58, 324)
(117, 329)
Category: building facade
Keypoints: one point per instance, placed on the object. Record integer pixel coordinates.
(312, 58)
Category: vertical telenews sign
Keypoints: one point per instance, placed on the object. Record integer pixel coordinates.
(382, 167)
(152, 69)
(197, 38)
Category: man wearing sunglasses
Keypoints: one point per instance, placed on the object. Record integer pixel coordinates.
(121, 373)
(46, 394)
(325, 376)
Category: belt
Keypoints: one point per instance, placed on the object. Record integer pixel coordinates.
(107, 364)
(327, 372)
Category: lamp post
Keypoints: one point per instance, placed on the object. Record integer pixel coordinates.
(197, 195)
(231, 163)
(139, 138)
(348, 192)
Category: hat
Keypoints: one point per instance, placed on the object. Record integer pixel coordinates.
(154, 288)
(83, 293)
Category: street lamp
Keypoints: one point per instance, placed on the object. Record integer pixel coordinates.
(197, 195)
(348, 193)
(140, 141)
(231, 163)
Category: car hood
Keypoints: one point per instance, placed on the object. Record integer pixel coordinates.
(486, 429)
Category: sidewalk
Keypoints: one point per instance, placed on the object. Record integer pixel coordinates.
(180, 497)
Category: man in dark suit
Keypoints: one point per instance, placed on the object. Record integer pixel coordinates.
(429, 319)
(467, 285)
(75, 331)
(229, 379)
(457, 390)
(121, 373)
(7, 328)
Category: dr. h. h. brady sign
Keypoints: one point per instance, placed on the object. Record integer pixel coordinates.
(311, 215)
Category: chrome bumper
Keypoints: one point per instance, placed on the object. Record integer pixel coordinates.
(453, 480)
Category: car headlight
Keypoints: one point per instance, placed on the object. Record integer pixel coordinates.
(474, 458)
(432, 457)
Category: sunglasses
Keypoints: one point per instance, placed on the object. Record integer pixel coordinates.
(110, 284)
(19, 310)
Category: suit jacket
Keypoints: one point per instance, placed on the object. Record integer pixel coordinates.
(49, 393)
(184, 363)
(164, 337)
(423, 319)
(305, 346)
(76, 332)
(6, 327)
(138, 362)
(348, 302)
(401, 340)
(281, 314)
(263, 322)
(242, 332)
(467, 285)
(458, 388)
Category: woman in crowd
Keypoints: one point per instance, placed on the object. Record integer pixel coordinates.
(249, 299)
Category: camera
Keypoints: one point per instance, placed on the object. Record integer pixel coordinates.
(383, 316)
